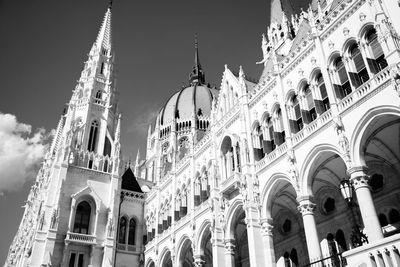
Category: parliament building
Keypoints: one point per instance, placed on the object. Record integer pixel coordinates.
(299, 168)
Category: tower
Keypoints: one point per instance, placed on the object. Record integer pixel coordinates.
(72, 208)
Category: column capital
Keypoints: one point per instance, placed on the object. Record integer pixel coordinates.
(266, 226)
(198, 262)
(230, 246)
(306, 206)
(358, 176)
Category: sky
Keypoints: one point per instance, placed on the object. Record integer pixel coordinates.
(44, 43)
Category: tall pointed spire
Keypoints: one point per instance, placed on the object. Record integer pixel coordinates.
(197, 75)
(103, 39)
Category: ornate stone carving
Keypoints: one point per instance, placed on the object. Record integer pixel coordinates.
(292, 170)
(230, 246)
(266, 227)
(343, 142)
(395, 74)
(306, 208)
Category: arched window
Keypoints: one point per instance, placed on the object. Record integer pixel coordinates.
(321, 104)
(309, 113)
(288, 262)
(294, 257)
(107, 147)
(296, 123)
(93, 136)
(341, 240)
(278, 130)
(98, 94)
(376, 61)
(102, 68)
(82, 218)
(383, 220)
(258, 142)
(360, 74)
(132, 232)
(269, 143)
(122, 231)
(341, 85)
(227, 157)
(394, 216)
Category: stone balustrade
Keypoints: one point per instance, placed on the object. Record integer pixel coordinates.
(80, 238)
(382, 253)
(91, 160)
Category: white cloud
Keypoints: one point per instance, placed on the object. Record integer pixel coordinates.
(21, 152)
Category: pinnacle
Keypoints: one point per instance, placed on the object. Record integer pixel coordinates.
(104, 36)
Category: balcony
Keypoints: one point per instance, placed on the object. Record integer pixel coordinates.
(229, 185)
(80, 238)
(382, 253)
(375, 84)
(90, 160)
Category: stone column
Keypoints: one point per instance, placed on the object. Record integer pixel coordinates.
(96, 218)
(362, 47)
(359, 179)
(218, 248)
(230, 252)
(254, 236)
(65, 258)
(306, 208)
(92, 248)
(229, 166)
(269, 252)
(72, 216)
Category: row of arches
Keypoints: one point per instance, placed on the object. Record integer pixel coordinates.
(286, 210)
(347, 70)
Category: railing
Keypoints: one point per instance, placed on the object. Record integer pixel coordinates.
(331, 261)
(91, 160)
(312, 127)
(382, 253)
(280, 150)
(371, 85)
(80, 238)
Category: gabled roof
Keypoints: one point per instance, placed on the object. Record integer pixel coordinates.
(129, 182)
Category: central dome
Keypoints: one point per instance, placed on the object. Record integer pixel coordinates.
(195, 99)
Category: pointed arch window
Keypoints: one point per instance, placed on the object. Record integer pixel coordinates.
(341, 85)
(93, 136)
(321, 104)
(376, 61)
(269, 143)
(132, 232)
(360, 75)
(102, 68)
(98, 94)
(82, 218)
(296, 123)
(122, 230)
(107, 147)
(258, 142)
(309, 112)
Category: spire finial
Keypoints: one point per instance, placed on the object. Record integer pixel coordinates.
(197, 74)
(110, 2)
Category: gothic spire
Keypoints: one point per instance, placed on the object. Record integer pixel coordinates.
(197, 74)
(103, 39)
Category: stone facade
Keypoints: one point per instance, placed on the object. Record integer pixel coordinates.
(250, 174)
